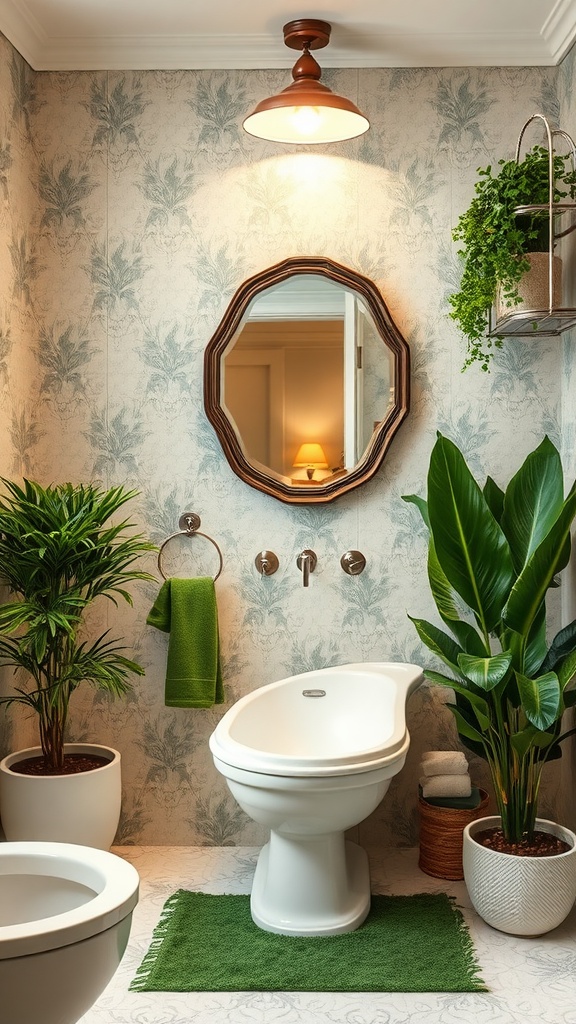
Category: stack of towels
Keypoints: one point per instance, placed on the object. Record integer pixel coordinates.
(445, 779)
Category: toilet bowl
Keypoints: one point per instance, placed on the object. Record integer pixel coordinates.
(309, 757)
(65, 916)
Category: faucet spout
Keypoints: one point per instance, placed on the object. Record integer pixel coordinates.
(306, 562)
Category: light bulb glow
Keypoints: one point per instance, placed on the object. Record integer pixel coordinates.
(306, 120)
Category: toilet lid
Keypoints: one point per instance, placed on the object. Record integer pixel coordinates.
(295, 765)
(331, 722)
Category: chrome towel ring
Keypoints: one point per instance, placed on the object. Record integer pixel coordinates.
(189, 524)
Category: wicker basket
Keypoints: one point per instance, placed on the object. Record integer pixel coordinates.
(441, 837)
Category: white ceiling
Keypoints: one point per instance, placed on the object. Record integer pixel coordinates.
(171, 34)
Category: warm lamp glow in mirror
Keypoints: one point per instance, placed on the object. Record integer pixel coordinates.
(310, 455)
(306, 380)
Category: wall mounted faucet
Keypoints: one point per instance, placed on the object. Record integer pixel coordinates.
(306, 562)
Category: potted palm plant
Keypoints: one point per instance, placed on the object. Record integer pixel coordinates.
(58, 554)
(498, 243)
(492, 557)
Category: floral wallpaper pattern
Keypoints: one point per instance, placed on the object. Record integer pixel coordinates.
(132, 207)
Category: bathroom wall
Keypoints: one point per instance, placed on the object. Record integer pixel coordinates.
(19, 428)
(136, 207)
(566, 93)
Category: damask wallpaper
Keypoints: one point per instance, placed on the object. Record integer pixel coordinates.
(133, 206)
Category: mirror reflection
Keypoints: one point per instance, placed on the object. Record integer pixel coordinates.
(306, 380)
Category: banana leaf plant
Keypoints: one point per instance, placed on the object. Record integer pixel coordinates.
(58, 553)
(493, 555)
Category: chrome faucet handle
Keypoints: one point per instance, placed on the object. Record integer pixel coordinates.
(266, 563)
(306, 562)
(353, 562)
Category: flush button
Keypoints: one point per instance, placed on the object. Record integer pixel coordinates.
(313, 693)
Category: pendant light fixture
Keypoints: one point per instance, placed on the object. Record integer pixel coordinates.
(306, 111)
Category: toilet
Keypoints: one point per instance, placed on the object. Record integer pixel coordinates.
(309, 757)
(65, 917)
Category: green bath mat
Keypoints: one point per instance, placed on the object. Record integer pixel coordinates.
(206, 943)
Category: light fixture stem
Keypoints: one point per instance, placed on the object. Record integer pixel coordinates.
(306, 67)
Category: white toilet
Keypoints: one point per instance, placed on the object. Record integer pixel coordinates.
(65, 916)
(309, 757)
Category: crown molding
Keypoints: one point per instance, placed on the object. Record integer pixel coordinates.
(559, 29)
(23, 30)
(385, 50)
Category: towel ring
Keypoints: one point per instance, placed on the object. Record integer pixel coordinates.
(189, 523)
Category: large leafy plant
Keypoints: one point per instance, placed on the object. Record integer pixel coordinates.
(58, 553)
(495, 240)
(492, 557)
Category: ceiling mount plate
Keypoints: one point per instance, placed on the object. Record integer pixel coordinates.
(307, 32)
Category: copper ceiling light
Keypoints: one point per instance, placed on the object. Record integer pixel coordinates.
(306, 111)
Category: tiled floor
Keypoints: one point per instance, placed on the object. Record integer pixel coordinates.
(530, 981)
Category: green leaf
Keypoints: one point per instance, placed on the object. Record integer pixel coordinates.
(535, 650)
(471, 548)
(475, 701)
(563, 643)
(566, 670)
(439, 678)
(421, 505)
(550, 557)
(494, 497)
(468, 638)
(540, 699)
(533, 501)
(464, 727)
(440, 588)
(438, 642)
(485, 673)
(525, 739)
(569, 698)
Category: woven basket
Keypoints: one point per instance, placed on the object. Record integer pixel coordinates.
(441, 837)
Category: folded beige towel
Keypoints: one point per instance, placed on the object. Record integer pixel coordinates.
(446, 785)
(444, 762)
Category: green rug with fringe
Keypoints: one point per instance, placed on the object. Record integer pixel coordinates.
(206, 943)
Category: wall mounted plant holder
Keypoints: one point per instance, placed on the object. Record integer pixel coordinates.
(548, 301)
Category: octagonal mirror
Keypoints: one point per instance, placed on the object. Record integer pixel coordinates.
(306, 380)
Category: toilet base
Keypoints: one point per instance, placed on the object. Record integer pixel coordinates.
(308, 885)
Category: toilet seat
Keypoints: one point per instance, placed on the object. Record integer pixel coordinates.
(288, 729)
(255, 763)
(113, 881)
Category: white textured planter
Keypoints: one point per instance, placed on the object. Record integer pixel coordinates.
(81, 808)
(520, 895)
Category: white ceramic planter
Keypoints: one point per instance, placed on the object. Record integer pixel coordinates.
(82, 808)
(520, 895)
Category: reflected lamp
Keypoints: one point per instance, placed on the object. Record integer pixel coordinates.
(310, 456)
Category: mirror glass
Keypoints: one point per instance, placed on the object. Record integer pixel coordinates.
(306, 380)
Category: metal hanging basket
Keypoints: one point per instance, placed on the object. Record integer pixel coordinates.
(546, 308)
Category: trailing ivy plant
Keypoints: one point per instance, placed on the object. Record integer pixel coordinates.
(495, 240)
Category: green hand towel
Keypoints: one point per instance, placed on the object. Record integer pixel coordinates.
(186, 609)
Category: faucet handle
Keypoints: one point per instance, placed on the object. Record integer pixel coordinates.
(306, 562)
(266, 563)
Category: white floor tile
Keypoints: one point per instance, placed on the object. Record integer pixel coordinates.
(531, 981)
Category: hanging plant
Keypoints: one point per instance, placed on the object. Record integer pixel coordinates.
(495, 240)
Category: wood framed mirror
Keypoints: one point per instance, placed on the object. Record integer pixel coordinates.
(306, 380)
